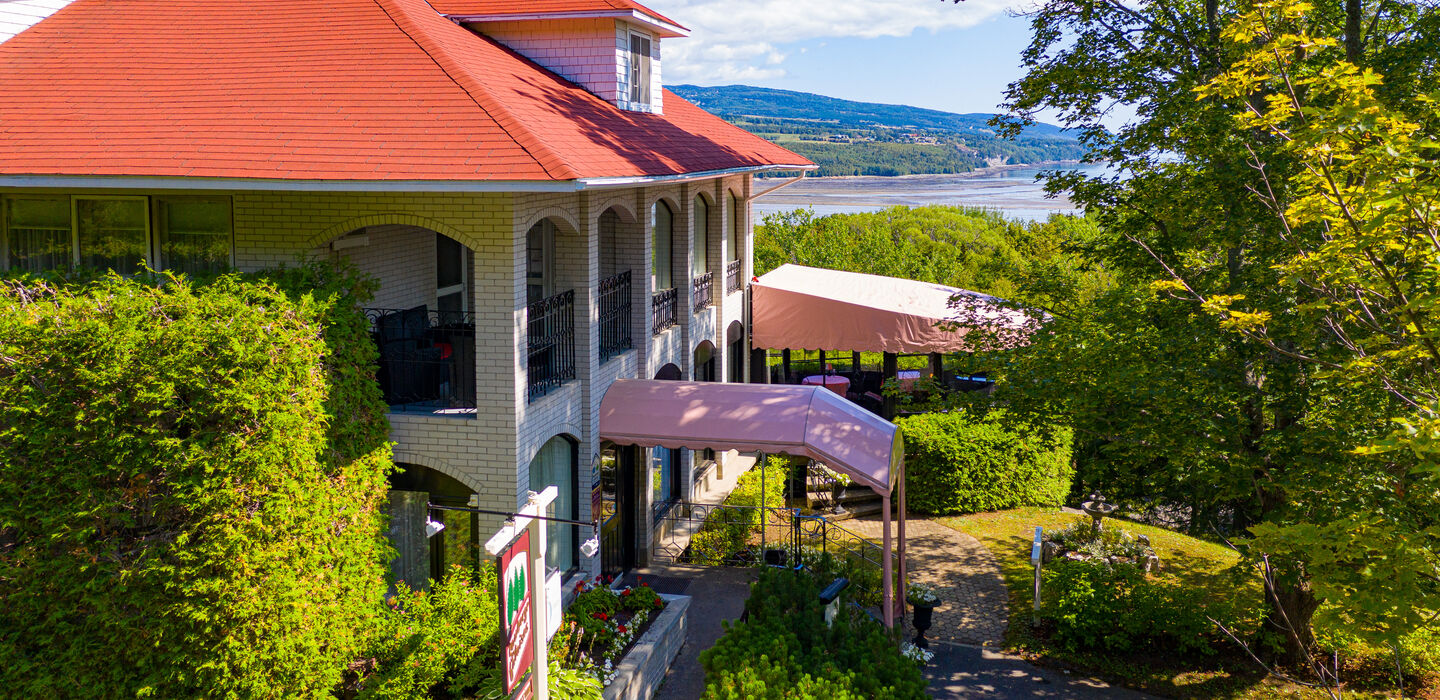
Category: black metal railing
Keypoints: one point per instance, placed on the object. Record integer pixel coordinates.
(552, 344)
(615, 334)
(427, 358)
(662, 309)
(732, 277)
(702, 290)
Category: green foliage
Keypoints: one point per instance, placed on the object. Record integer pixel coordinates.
(783, 649)
(1095, 605)
(726, 531)
(973, 249)
(190, 482)
(961, 462)
(1276, 303)
(425, 639)
(1108, 542)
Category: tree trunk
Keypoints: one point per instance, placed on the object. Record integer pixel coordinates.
(1292, 605)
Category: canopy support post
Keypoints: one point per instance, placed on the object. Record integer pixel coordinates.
(785, 365)
(887, 567)
(855, 364)
(937, 368)
(904, 568)
(822, 362)
(890, 370)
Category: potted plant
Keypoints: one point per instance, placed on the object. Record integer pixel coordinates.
(923, 599)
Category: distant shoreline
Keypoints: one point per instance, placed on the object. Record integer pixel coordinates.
(977, 172)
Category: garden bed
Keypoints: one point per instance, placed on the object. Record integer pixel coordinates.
(622, 637)
(643, 667)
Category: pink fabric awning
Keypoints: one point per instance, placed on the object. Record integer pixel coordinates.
(808, 421)
(794, 306)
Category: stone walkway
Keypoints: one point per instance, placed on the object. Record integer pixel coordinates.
(974, 603)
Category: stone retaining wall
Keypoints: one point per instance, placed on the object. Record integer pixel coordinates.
(642, 670)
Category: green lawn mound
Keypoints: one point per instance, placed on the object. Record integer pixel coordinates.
(1154, 633)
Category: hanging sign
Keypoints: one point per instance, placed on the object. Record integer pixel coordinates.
(517, 612)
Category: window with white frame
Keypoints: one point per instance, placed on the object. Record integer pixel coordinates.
(48, 232)
(639, 68)
(449, 275)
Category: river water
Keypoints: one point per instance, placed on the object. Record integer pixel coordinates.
(1011, 191)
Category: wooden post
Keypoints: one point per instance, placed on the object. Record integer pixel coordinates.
(891, 367)
(822, 362)
(855, 362)
(937, 367)
(785, 366)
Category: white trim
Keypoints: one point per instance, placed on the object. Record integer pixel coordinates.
(667, 29)
(256, 184)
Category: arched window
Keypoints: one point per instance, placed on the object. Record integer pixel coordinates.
(661, 228)
(700, 241)
(555, 465)
(737, 230)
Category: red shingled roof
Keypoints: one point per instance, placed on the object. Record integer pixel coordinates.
(340, 90)
(500, 8)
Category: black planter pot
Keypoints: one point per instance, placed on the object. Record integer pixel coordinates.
(922, 619)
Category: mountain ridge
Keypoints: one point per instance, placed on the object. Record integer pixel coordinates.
(772, 103)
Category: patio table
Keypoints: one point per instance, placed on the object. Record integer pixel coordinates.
(834, 383)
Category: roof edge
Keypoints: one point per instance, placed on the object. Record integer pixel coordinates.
(666, 29)
(591, 183)
(282, 185)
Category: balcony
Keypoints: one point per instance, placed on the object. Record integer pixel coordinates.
(614, 297)
(551, 344)
(662, 308)
(427, 359)
(702, 290)
(732, 277)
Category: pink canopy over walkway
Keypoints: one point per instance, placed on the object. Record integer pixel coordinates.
(808, 421)
(794, 306)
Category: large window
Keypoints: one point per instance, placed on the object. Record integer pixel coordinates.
(555, 465)
(700, 244)
(640, 69)
(664, 479)
(662, 229)
(193, 233)
(186, 234)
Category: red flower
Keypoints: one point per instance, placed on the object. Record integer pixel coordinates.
(620, 629)
(625, 592)
(600, 616)
(645, 585)
(659, 603)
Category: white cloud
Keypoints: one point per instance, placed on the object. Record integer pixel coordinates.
(743, 40)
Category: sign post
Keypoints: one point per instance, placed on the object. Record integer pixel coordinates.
(520, 547)
(1037, 549)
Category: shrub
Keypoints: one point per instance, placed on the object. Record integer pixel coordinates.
(425, 639)
(959, 462)
(726, 531)
(1116, 608)
(783, 649)
(190, 483)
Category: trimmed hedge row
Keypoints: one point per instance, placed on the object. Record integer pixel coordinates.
(959, 462)
(782, 648)
(190, 486)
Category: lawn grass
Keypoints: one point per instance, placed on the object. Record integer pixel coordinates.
(1206, 567)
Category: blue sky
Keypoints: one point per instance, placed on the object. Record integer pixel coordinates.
(926, 53)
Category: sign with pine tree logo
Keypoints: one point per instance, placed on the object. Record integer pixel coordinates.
(517, 613)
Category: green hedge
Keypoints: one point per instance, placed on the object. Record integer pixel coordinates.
(959, 462)
(1103, 607)
(783, 649)
(190, 482)
(726, 531)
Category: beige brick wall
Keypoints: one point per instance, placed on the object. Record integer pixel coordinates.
(490, 450)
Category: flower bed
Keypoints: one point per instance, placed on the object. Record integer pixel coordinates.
(602, 624)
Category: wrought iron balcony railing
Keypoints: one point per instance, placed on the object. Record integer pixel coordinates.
(732, 277)
(662, 308)
(614, 297)
(703, 291)
(551, 344)
(427, 358)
